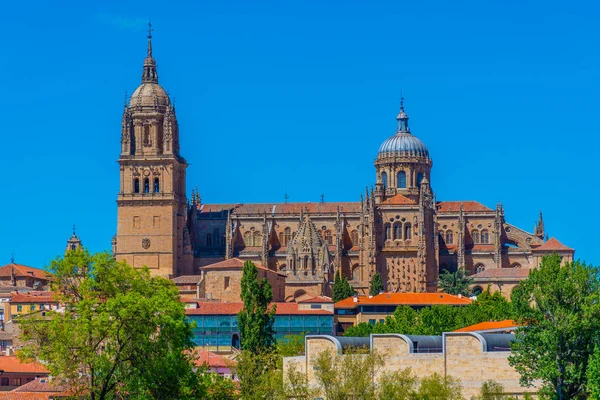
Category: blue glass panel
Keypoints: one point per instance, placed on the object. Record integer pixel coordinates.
(402, 179)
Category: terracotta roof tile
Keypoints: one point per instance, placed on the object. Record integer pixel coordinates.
(317, 299)
(486, 326)
(183, 279)
(454, 206)
(553, 245)
(283, 208)
(33, 297)
(24, 271)
(398, 200)
(234, 308)
(410, 299)
(41, 385)
(236, 263)
(506, 273)
(211, 359)
(13, 365)
(483, 247)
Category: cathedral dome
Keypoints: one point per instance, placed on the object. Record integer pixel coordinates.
(149, 94)
(403, 143)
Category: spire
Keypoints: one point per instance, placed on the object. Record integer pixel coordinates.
(149, 74)
(402, 118)
(539, 227)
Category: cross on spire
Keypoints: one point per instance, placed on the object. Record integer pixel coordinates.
(286, 197)
(150, 29)
(74, 230)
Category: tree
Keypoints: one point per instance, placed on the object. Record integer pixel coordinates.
(341, 288)
(455, 282)
(397, 385)
(491, 390)
(376, 285)
(559, 309)
(122, 332)
(593, 374)
(255, 321)
(440, 388)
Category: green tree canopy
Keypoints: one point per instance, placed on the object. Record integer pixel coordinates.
(341, 288)
(455, 282)
(122, 332)
(255, 321)
(559, 309)
(376, 285)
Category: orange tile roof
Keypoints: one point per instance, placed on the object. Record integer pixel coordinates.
(316, 299)
(506, 273)
(211, 359)
(454, 206)
(283, 208)
(487, 326)
(33, 297)
(236, 263)
(206, 308)
(11, 364)
(553, 245)
(409, 299)
(398, 200)
(22, 271)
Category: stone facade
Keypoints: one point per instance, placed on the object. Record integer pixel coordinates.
(471, 357)
(396, 228)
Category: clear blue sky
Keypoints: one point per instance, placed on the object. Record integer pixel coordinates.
(298, 95)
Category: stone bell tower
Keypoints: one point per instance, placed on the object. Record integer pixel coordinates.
(151, 201)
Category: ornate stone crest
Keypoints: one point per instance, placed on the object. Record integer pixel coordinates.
(145, 243)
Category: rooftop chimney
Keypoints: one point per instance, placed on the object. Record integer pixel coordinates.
(355, 298)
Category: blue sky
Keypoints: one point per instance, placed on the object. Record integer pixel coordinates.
(297, 96)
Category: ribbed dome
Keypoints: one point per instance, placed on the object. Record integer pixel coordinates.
(403, 144)
(149, 95)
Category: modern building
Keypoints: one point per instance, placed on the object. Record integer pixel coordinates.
(372, 309)
(398, 228)
(216, 324)
(468, 356)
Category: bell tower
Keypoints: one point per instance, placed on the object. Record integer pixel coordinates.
(151, 202)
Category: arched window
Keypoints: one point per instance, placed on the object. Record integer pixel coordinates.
(384, 180)
(147, 136)
(328, 237)
(208, 239)
(257, 239)
(146, 185)
(281, 239)
(354, 237)
(156, 185)
(248, 238)
(407, 231)
(515, 265)
(136, 185)
(387, 232)
(419, 179)
(475, 236)
(449, 237)
(287, 236)
(485, 236)
(397, 231)
(355, 272)
(402, 179)
(479, 268)
(477, 290)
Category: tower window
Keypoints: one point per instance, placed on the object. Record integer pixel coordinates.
(402, 179)
(257, 239)
(485, 236)
(147, 141)
(329, 237)
(449, 237)
(388, 232)
(407, 231)
(384, 180)
(397, 231)
(248, 238)
(156, 185)
(146, 185)
(419, 179)
(475, 236)
(136, 185)
(287, 236)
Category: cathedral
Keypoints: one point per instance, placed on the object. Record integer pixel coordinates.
(397, 227)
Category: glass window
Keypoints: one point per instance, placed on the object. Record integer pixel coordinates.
(287, 236)
(17, 382)
(4, 381)
(419, 179)
(384, 180)
(407, 231)
(397, 231)
(371, 322)
(485, 236)
(19, 308)
(475, 236)
(315, 306)
(401, 179)
(156, 185)
(388, 232)
(136, 185)
(32, 307)
(296, 323)
(329, 237)
(449, 237)
(146, 185)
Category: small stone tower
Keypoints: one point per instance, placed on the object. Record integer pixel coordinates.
(74, 242)
(151, 202)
